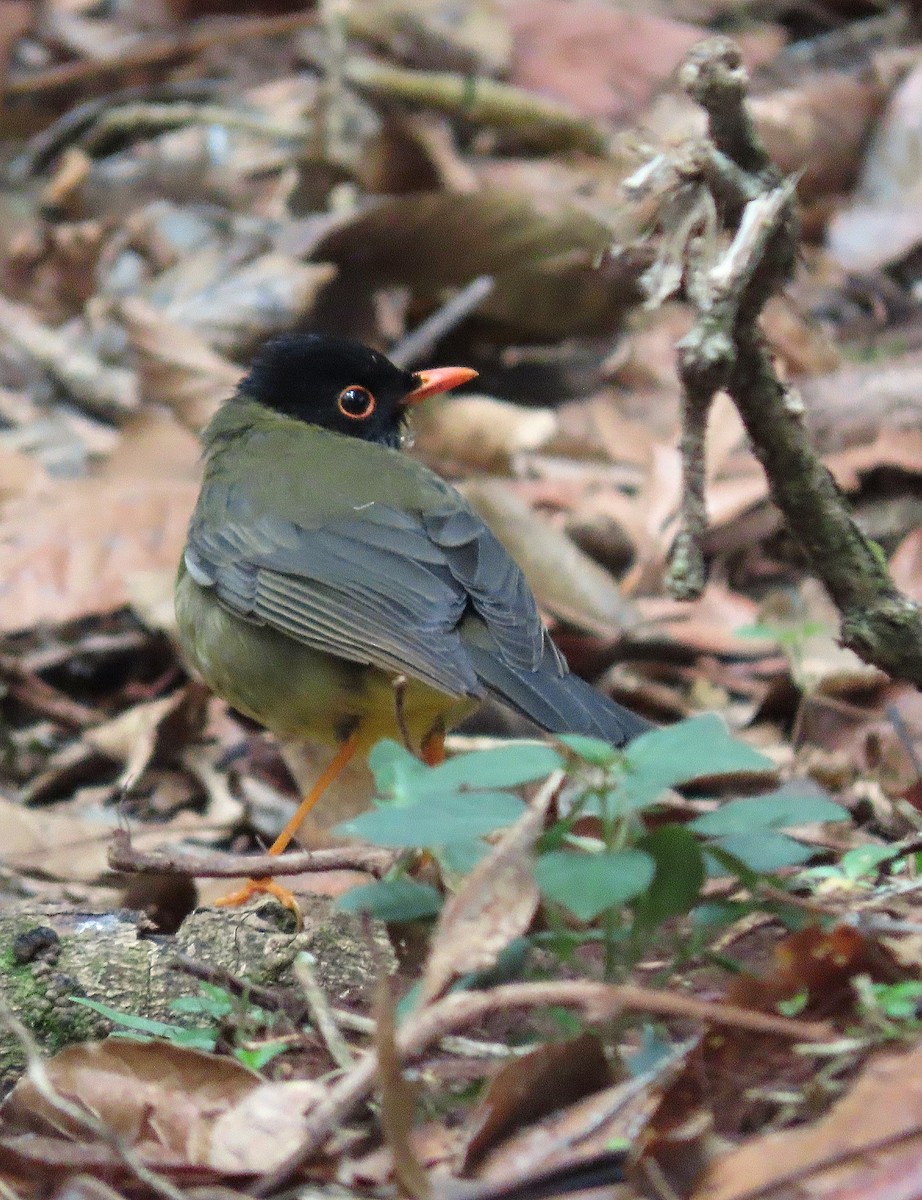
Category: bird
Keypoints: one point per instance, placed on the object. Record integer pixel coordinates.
(333, 588)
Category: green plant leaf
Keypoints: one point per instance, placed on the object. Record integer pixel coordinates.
(500, 767)
(458, 859)
(680, 873)
(591, 750)
(866, 860)
(437, 821)
(765, 850)
(792, 805)
(395, 770)
(392, 900)
(587, 884)
(256, 1057)
(698, 748)
(193, 1039)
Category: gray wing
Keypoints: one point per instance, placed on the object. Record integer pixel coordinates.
(382, 587)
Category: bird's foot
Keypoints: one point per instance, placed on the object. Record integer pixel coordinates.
(261, 887)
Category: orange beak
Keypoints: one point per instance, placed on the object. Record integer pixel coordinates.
(439, 379)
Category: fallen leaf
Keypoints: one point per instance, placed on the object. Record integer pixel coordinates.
(175, 366)
(263, 1127)
(162, 1100)
(551, 1077)
(158, 729)
(482, 432)
(495, 904)
(833, 1154)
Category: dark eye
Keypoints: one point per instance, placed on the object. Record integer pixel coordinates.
(356, 402)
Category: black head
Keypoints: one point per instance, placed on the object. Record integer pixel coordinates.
(341, 385)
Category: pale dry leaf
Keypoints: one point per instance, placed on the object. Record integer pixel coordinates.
(175, 366)
(55, 845)
(50, 844)
(494, 905)
(162, 1100)
(264, 1127)
(72, 553)
(236, 311)
(482, 432)
(110, 392)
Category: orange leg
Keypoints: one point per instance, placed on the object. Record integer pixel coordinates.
(432, 751)
(270, 887)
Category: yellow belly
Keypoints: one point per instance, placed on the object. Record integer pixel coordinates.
(299, 692)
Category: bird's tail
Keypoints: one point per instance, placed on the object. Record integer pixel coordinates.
(558, 703)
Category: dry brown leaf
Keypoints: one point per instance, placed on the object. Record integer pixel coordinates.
(159, 729)
(80, 547)
(897, 449)
(851, 406)
(550, 1078)
(472, 37)
(837, 1151)
(819, 131)
(73, 552)
(397, 1097)
(603, 61)
(707, 625)
(16, 19)
(906, 565)
(494, 904)
(567, 582)
(175, 366)
(162, 1100)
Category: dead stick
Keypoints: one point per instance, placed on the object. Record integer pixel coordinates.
(218, 865)
(156, 51)
(597, 1003)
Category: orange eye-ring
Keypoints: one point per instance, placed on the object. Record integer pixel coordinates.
(356, 402)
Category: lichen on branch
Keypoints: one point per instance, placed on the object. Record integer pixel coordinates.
(728, 280)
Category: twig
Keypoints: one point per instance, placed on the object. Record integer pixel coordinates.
(155, 51)
(217, 865)
(461, 1047)
(294, 1005)
(543, 122)
(153, 117)
(419, 342)
(725, 349)
(42, 149)
(30, 690)
(596, 1002)
(321, 1013)
(80, 1116)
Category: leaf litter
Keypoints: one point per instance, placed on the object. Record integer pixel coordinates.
(182, 184)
